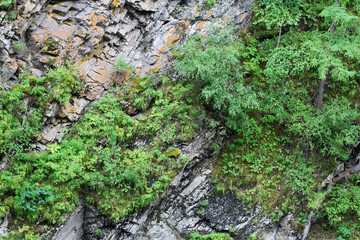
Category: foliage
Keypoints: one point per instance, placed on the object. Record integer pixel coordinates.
(24, 104)
(278, 13)
(99, 157)
(287, 146)
(30, 197)
(24, 233)
(300, 177)
(211, 236)
(214, 62)
(344, 202)
(122, 65)
(333, 130)
(64, 82)
(344, 232)
(210, 3)
(6, 4)
(280, 146)
(19, 46)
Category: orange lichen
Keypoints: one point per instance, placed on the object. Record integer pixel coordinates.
(116, 3)
(169, 40)
(67, 108)
(64, 31)
(196, 9)
(91, 15)
(159, 60)
(37, 38)
(209, 13)
(200, 25)
(186, 25)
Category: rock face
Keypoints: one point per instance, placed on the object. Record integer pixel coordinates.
(190, 205)
(4, 225)
(92, 35)
(72, 228)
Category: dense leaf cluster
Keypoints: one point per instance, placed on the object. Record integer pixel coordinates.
(291, 98)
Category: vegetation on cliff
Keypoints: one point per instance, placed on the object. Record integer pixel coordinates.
(286, 89)
(290, 99)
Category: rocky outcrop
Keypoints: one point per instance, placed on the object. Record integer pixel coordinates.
(72, 228)
(190, 205)
(93, 34)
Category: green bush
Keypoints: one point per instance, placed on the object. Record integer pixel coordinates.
(23, 106)
(343, 204)
(122, 65)
(210, 3)
(333, 130)
(213, 62)
(64, 82)
(97, 156)
(6, 4)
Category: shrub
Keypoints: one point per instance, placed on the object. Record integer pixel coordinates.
(333, 129)
(210, 3)
(213, 61)
(344, 202)
(6, 4)
(31, 197)
(122, 65)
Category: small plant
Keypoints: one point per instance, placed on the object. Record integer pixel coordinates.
(210, 3)
(11, 15)
(204, 203)
(6, 4)
(122, 65)
(344, 232)
(98, 232)
(19, 46)
(253, 236)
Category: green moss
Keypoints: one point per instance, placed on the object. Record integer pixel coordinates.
(265, 34)
(172, 152)
(211, 236)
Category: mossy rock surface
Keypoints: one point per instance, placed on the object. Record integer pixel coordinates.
(172, 152)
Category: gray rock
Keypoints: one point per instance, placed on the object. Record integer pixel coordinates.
(355, 169)
(4, 225)
(3, 163)
(339, 168)
(72, 228)
(53, 133)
